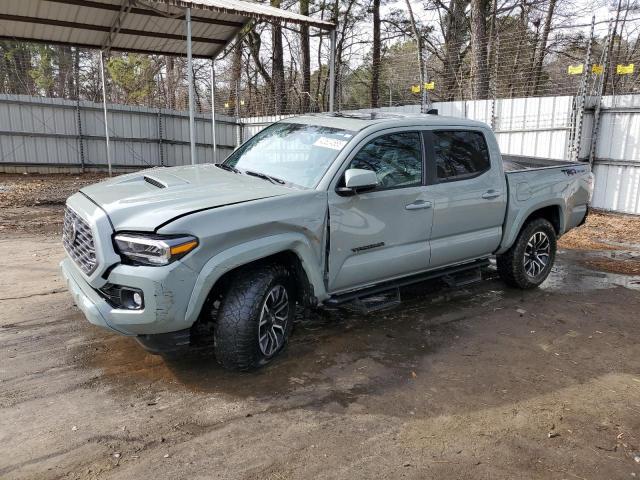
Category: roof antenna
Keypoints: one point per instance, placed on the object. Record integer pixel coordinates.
(432, 111)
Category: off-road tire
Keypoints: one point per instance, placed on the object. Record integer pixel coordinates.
(511, 264)
(236, 344)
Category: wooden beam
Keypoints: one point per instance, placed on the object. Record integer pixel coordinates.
(147, 12)
(101, 28)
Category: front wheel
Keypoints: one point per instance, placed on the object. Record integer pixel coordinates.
(529, 260)
(255, 317)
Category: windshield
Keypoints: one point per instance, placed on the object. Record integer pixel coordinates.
(296, 153)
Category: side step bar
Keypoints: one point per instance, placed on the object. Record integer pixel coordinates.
(448, 273)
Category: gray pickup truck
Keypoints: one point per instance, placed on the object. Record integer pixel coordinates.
(312, 211)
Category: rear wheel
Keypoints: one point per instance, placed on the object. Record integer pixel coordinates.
(529, 260)
(255, 317)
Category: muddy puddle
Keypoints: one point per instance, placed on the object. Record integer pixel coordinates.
(579, 271)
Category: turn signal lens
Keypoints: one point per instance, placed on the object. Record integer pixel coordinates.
(184, 248)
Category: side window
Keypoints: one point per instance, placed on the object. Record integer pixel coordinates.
(460, 154)
(396, 158)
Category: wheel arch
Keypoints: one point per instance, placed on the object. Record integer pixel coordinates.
(291, 250)
(553, 212)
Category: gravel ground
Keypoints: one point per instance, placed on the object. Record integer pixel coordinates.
(33, 203)
(477, 382)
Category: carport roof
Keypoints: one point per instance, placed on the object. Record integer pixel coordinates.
(141, 26)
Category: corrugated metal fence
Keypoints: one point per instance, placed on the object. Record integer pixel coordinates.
(533, 127)
(54, 133)
(617, 163)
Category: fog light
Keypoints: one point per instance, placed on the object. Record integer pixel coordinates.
(137, 299)
(123, 297)
(131, 299)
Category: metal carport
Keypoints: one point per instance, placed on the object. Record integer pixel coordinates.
(147, 26)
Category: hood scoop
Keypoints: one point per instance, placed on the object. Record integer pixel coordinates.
(154, 181)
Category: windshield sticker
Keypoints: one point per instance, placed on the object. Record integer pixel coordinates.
(332, 143)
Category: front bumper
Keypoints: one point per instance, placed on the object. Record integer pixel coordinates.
(166, 294)
(84, 296)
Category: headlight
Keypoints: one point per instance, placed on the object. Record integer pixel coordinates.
(143, 249)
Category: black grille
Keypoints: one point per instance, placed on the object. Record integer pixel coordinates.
(78, 241)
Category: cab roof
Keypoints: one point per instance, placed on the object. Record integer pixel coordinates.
(359, 121)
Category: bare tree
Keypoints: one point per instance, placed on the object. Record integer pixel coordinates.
(375, 55)
(453, 23)
(277, 66)
(480, 68)
(305, 59)
(541, 47)
(234, 80)
(418, 37)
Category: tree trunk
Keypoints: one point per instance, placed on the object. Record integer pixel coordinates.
(610, 53)
(171, 87)
(416, 34)
(306, 58)
(453, 39)
(513, 79)
(280, 96)
(64, 83)
(234, 80)
(480, 66)
(542, 48)
(375, 56)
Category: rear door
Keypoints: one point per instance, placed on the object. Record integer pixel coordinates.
(469, 196)
(382, 233)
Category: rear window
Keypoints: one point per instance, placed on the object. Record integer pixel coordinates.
(460, 154)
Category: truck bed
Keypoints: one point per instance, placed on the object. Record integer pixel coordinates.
(515, 163)
(534, 183)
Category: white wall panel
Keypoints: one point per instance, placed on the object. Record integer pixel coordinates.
(617, 187)
(43, 131)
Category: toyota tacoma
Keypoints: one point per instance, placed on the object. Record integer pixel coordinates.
(313, 211)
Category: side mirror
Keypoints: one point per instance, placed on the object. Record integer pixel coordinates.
(358, 180)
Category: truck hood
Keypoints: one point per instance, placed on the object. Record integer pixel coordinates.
(144, 200)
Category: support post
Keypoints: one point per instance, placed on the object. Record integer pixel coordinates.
(76, 81)
(494, 92)
(595, 128)
(106, 112)
(581, 100)
(236, 108)
(192, 121)
(160, 138)
(424, 96)
(332, 69)
(213, 109)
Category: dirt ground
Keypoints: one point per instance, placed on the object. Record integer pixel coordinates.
(475, 382)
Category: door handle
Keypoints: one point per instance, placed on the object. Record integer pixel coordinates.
(418, 205)
(490, 194)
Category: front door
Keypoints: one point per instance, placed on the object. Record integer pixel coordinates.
(383, 233)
